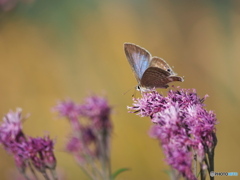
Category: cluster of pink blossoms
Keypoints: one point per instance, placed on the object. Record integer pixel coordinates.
(184, 128)
(28, 152)
(90, 138)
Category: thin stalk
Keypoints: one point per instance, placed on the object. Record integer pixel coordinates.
(32, 171)
(87, 154)
(211, 154)
(206, 162)
(202, 172)
(45, 175)
(195, 164)
(54, 174)
(86, 171)
(104, 151)
(211, 162)
(25, 176)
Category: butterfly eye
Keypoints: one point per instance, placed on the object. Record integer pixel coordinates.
(138, 88)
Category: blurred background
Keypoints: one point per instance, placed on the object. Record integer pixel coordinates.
(58, 49)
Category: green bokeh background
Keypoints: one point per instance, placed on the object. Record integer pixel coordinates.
(57, 49)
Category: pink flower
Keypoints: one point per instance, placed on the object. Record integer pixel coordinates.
(91, 130)
(41, 153)
(181, 124)
(11, 127)
(38, 151)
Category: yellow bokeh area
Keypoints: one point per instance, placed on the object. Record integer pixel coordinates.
(53, 50)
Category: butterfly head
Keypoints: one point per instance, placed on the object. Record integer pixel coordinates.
(143, 89)
(138, 88)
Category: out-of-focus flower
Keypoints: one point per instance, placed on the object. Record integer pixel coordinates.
(13, 139)
(182, 126)
(85, 144)
(21, 154)
(97, 109)
(41, 153)
(92, 127)
(26, 150)
(67, 109)
(11, 127)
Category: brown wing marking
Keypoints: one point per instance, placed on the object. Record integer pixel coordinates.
(161, 63)
(155, 77)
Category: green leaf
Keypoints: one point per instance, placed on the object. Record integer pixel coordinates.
(114, 175)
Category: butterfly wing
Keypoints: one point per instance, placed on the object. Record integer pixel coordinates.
(138, 58)
(161, 63)
(155, 77)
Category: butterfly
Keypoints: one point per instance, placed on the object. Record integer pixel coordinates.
(150, 72)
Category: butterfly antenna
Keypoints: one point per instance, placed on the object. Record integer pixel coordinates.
(127, 91)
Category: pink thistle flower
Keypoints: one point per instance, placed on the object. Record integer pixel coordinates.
(13, 139)
(92, 127)
(182, 126)
(69, 110)
(26, 150)
(149, 104)
(97, 110)
(11, 127)
(42, 154)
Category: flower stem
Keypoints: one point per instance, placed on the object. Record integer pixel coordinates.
(32, 170)
(195, 164)
(25, 176)
(211, 162)
(45, 175)
(202, 172)
(54, 174)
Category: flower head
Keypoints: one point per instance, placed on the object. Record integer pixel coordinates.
(25, 150)
(91, 130)
(149, 104)
(67, 109)
(97, 110)
(20, 152)
(42, 153)
(11, 126)
(12, 137)
(181, 124)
